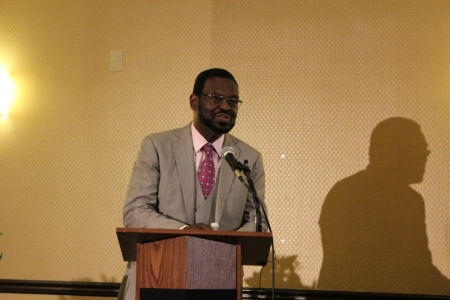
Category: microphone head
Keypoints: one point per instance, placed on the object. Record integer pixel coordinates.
(227, 150)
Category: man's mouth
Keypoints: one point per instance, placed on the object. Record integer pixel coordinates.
(223, 117)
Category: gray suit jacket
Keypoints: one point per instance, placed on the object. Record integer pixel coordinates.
(162, 189)
(162, 194)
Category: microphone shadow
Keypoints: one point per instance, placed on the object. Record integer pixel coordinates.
(373, 223)
(285, 276)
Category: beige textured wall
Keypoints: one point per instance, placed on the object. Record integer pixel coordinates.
(315, 77)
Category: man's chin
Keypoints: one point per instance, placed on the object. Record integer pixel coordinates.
(417, 178)
(223, 127)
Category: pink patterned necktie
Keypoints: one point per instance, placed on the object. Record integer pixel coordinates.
(206, 172)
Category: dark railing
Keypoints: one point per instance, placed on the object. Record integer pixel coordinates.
(106, 289)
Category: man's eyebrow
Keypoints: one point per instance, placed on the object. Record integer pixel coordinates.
(220, 94)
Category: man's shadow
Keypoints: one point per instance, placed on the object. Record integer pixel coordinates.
(373, 223)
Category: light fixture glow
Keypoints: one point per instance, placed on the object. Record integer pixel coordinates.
(6, 92)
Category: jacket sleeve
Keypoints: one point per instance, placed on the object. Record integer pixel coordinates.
(141, 204)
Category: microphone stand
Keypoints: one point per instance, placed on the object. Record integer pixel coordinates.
(257, 202)
(251, 187)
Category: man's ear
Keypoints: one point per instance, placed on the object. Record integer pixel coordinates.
(194, 102)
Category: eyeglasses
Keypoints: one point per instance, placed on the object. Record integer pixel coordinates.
(219, 100)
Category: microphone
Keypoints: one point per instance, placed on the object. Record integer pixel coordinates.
(228, 153)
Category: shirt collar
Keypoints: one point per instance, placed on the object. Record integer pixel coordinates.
(199, 141)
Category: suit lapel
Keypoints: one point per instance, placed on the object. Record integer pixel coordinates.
(183, 149)
(226, 178)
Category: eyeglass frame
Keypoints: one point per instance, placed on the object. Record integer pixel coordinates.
(222, 100)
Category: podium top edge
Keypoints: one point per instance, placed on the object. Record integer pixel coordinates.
(193, 232)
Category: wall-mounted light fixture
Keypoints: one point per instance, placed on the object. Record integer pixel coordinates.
(6, 92)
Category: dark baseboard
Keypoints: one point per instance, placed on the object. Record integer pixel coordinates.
(69, 288)
(106, 289)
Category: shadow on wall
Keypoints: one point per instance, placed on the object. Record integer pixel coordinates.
(373, 223)
(103, 279)
(285, 275)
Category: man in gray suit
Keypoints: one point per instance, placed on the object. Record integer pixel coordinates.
(165, 190)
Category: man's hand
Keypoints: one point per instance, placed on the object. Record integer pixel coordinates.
(198, 226)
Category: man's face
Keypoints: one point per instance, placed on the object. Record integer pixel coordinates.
(217, 118)
(414, 158)
(406, 159)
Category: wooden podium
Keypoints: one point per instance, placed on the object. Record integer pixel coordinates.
(191, 264)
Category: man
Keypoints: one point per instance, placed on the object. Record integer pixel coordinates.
(373, 223)
(179, 180)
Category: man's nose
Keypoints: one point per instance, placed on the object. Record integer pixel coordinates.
(224, 105)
